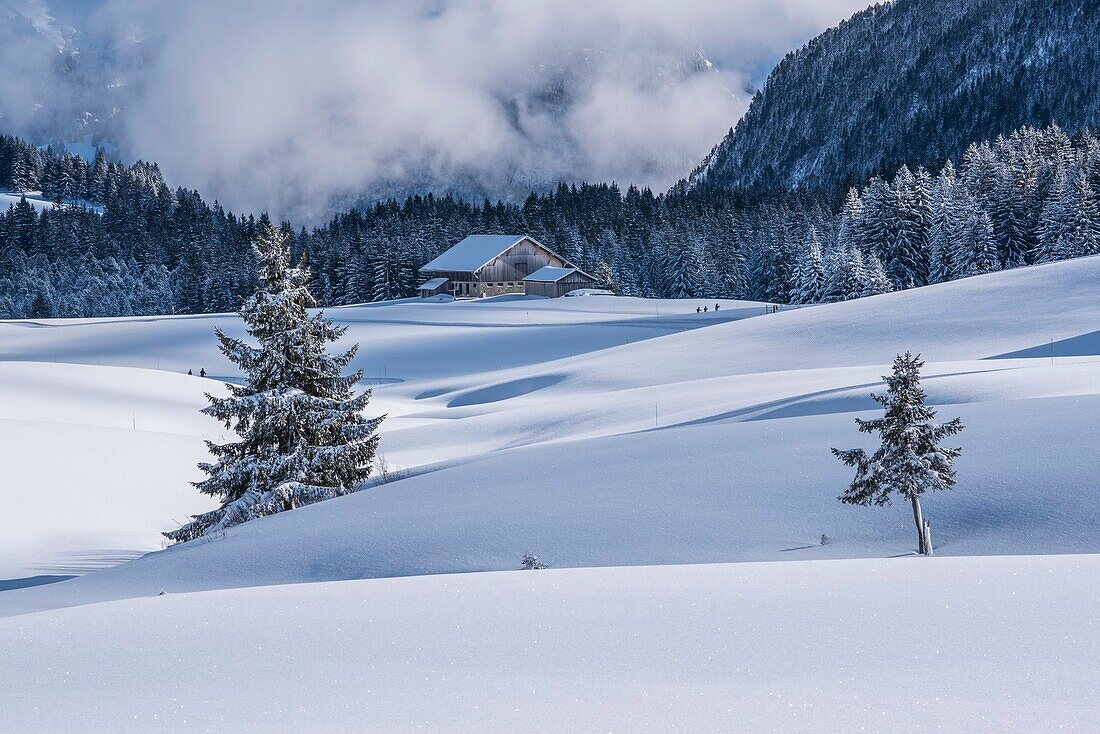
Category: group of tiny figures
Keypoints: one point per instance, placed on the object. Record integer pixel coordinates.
(703, 309)
(202, 370)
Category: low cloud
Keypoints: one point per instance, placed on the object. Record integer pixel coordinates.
(295, 106)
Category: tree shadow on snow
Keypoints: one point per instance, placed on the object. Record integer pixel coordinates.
(29, 581)
(1082, 345)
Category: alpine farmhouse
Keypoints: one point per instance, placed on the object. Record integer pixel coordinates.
(493, 264)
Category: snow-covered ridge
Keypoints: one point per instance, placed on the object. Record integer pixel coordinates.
(38, 15)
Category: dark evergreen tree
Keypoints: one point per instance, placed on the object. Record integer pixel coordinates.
(875, 281)
(303, 435)
(1030, 196)
(809, 274)
(42, 308)
(681, 267)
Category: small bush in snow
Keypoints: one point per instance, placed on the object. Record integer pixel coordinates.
(824, 539)
(386, 473)
(532, 562)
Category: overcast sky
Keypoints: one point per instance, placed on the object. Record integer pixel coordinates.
(289, 105)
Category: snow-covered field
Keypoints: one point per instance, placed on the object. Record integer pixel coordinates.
(96, 459)
(943, 644)
(598, 433)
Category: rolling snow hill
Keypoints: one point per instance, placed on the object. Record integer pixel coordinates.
(96, 459)
(501, 410)
(600, 433)
(76, 392)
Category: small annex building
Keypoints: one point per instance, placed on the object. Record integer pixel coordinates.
(493, 264)
(434, 287)
(555, 282)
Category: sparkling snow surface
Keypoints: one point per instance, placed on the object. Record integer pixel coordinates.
(597, 433)
(957, 644)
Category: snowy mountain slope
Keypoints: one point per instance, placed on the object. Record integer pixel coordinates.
(34, 198)
(458, 337)
(699, 494)
(558, 455)
(615, 438)
(96, 461)
(911, 81)
(102, 457)
(941, 644)
(59, 83)
(758, 365)
(436, 354)
(974, 318)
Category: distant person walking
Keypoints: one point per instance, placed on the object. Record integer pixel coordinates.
(189, 372)
(704, 309)
(202, 372)
(698, 309)
(716, 308)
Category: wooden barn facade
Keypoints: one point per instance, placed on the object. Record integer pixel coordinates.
(490, 265)
(554, 282)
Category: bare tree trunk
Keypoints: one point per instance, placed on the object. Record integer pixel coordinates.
(927, 538)
(919, 520)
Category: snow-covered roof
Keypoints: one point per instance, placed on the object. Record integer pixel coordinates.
(472, 253)
(550, 274)
(434, 283)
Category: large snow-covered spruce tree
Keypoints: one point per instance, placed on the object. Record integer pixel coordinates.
(303, 435)
(910, 459)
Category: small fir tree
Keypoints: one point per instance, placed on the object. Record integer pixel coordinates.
(303, 435)
(910, 459)
(531, 562)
